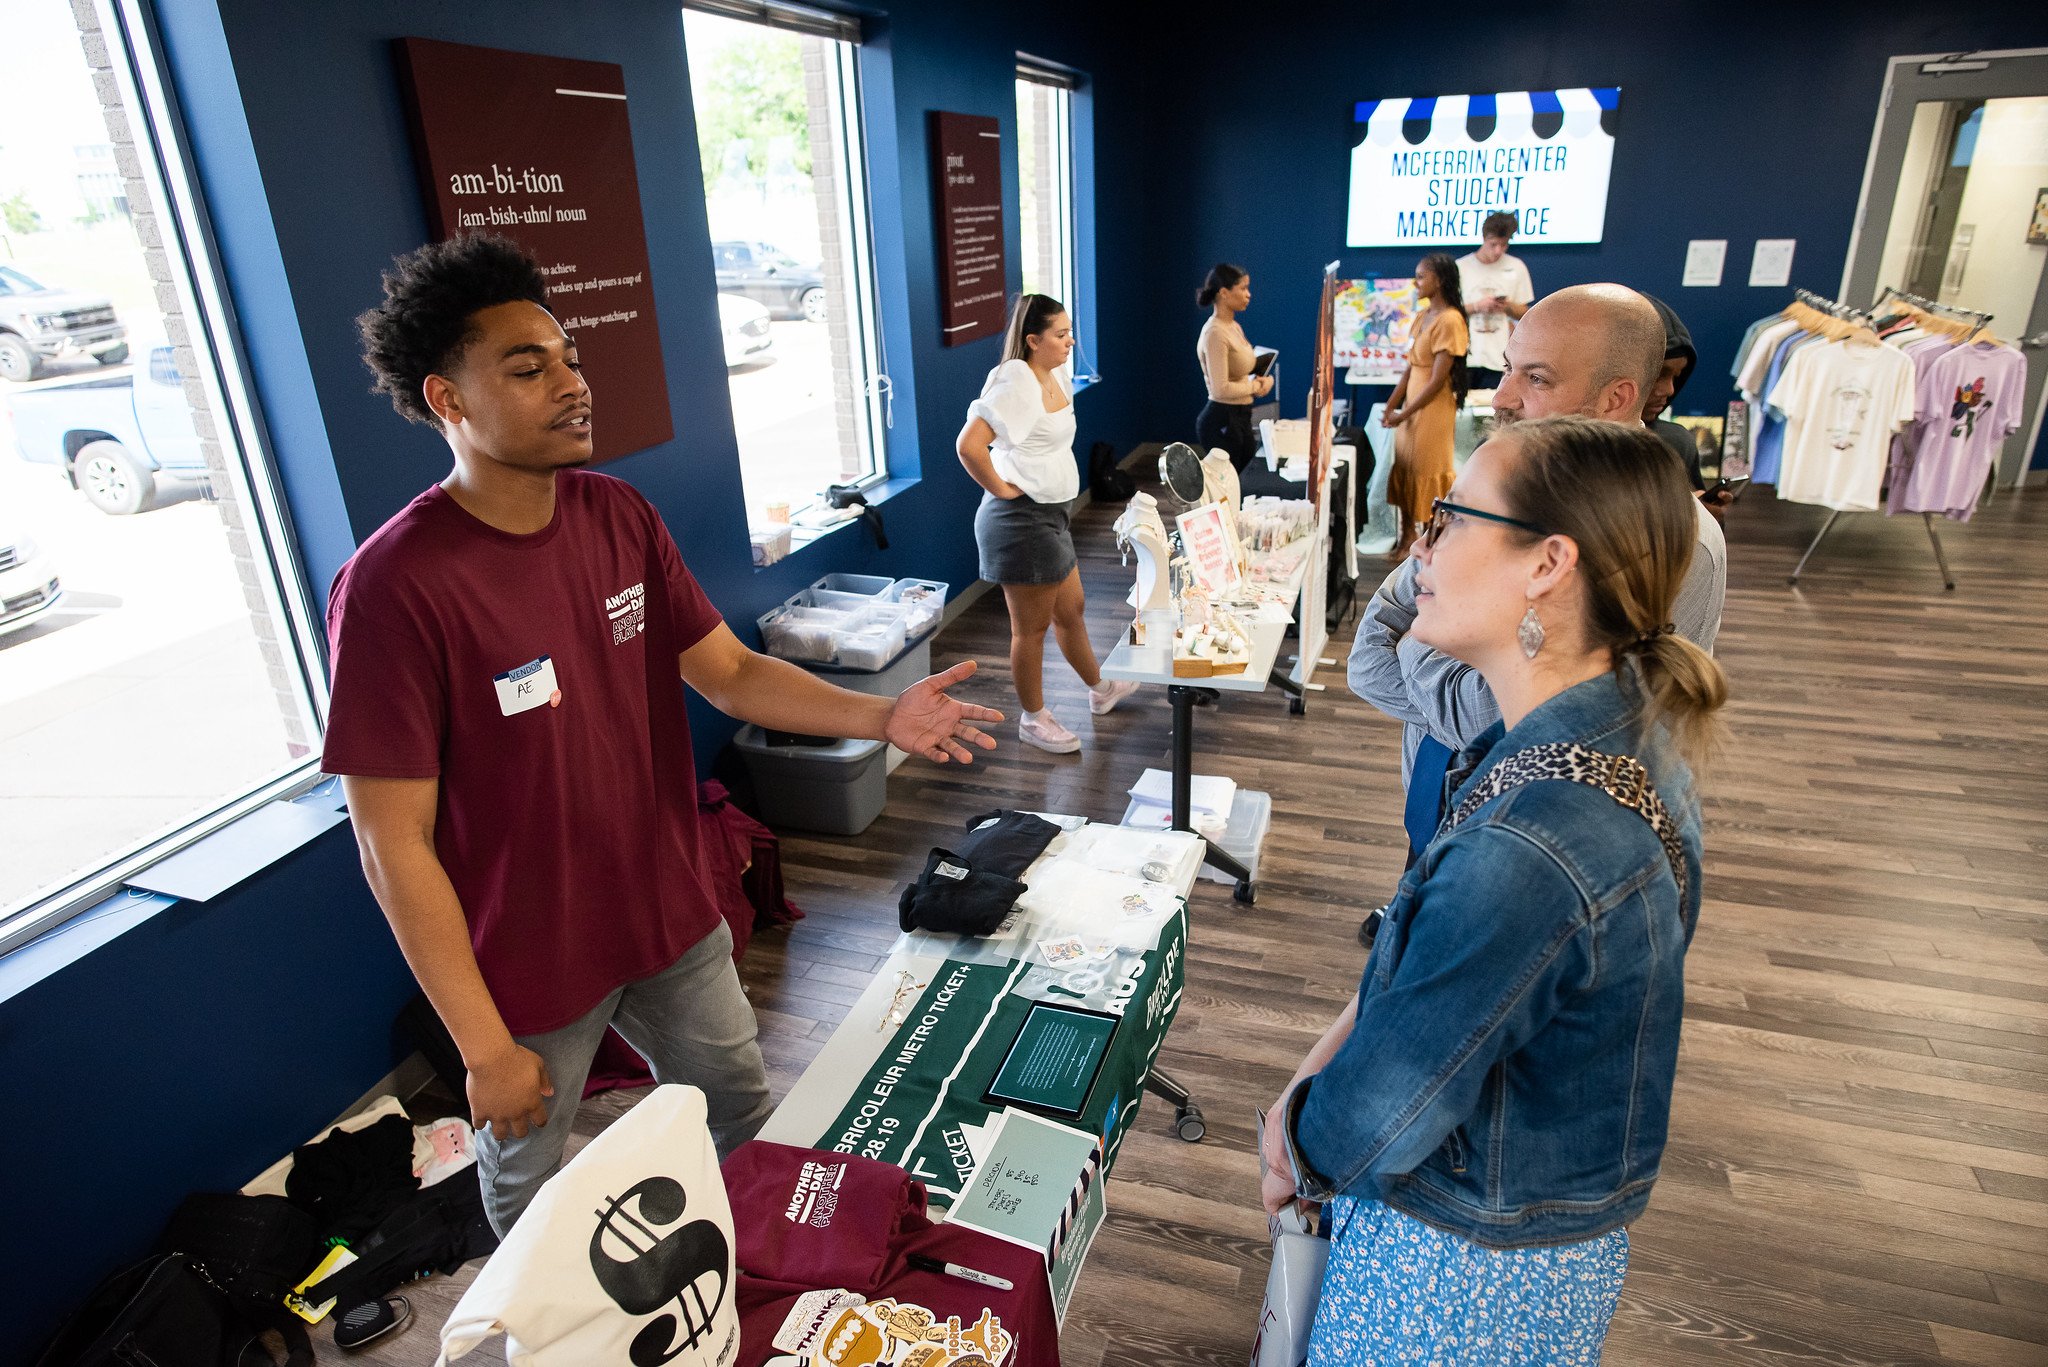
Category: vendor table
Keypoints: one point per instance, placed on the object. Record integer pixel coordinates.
(1152, 663)
(902, 1092)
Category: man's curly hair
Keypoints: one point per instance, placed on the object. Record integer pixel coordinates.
(431, 299)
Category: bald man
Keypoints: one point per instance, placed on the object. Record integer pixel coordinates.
(1592, 350)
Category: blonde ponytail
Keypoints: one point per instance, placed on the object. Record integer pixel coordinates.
(1686, 689)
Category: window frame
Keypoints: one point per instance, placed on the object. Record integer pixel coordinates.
(167, 172)
(871, 385)
(1064, 179)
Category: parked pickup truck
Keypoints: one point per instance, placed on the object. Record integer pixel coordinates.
(115, 440)
(39, 324)
(29, 586)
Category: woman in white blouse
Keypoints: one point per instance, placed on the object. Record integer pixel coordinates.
(1018, 445)
(1226, 357)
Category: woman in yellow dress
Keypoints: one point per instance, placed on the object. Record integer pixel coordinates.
(1423, 411)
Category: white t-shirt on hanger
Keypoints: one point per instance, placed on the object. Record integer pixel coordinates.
(1842, 401)
(1754, 369)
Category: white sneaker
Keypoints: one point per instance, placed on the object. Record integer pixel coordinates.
(1106, 695)
(1043, 730)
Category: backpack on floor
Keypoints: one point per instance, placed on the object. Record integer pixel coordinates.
(164, 1311)
(1107, 481)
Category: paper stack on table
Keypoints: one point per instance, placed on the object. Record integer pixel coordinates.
(1206, 792)
(1209, 801)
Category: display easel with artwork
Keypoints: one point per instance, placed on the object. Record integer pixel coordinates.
(1371, 323)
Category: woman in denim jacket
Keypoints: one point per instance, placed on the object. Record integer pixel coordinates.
(1488, 1114)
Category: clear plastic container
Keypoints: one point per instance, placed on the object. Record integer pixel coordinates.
(870, 647)
(924, 598)
(868, 586)
(809, 634)
(831, 598)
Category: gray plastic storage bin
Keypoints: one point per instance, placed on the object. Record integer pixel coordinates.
(836, 789)
(906, 669)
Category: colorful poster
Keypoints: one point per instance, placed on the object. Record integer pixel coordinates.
(1427, 172)
(1372, 319)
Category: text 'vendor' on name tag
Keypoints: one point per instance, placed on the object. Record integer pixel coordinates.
(527, 687)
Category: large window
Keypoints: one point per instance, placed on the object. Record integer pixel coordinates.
(1045, 176)
(777, 97)
(158, 671)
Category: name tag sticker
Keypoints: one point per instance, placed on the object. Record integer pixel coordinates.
(527, 687)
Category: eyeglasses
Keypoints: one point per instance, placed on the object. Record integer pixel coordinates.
(1441, 511)
(898, 1010)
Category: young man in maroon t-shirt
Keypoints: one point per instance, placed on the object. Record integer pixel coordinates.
(508, 718)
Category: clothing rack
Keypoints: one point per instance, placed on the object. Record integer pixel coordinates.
(1977, 317)
(1845, 312)
(1823, 304)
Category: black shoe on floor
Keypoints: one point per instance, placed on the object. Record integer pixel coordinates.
(361, 1324)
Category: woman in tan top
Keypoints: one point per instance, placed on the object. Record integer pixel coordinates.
(1226, 419)
(1423, 411)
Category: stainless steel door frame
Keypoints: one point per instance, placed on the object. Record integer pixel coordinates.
(1953, 76)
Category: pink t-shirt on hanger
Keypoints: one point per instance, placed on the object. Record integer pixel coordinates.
(1969, 401)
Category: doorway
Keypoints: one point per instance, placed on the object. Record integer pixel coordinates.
(1955, 208)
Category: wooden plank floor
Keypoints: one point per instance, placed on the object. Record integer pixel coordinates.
(1858, 1167)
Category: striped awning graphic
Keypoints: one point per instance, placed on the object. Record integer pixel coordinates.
(1430, 171)
(1514, 115)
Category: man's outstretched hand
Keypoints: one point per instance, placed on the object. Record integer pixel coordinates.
(926, 722)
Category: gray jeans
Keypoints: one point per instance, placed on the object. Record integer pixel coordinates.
(693, 1025)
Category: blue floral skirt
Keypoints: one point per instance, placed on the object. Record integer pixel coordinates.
(1399, 1291)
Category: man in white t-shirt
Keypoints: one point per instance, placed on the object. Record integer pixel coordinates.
(1497, 291)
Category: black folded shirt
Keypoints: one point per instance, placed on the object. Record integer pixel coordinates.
(970, 891)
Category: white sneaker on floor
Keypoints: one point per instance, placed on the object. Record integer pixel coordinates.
(1104, 697)
(1043, 730)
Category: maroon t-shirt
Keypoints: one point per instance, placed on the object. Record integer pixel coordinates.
(535, 676)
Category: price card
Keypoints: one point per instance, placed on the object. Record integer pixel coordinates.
(1212, 550)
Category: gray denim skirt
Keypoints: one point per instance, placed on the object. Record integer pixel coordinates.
(1023, 542)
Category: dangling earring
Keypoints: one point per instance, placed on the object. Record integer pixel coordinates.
(1530, 633)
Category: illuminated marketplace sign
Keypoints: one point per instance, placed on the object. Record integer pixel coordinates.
(1427, 172)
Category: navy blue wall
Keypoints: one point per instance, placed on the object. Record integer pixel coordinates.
(184, 1055)
(1731, 127)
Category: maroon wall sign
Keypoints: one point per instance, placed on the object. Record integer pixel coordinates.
(967, 176)
(538, 149)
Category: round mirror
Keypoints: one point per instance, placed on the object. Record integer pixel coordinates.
(1180, 469)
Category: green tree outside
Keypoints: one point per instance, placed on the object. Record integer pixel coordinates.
(18, 215)
(753, 93)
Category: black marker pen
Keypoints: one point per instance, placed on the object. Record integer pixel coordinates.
(925, 1263)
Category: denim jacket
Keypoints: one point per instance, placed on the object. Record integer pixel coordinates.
(1509, 1075)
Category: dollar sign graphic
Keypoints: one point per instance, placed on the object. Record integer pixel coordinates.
(642, 1269)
